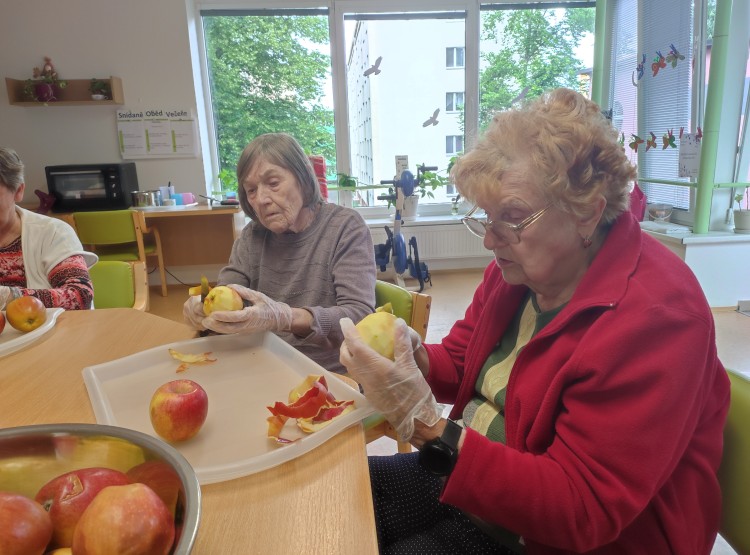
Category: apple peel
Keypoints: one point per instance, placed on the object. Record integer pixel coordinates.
(188, 359)
(311, 404)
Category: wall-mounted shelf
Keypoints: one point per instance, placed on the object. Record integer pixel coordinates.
(76, 93)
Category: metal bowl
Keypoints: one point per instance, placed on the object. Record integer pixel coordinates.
(30, 456)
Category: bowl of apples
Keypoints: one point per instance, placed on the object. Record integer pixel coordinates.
(93, 488)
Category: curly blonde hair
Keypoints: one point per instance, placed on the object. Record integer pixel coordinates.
(563, 145)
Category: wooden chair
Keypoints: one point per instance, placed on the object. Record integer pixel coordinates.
(414, 308)
(734, 473)
(121, 235)
(120, 284)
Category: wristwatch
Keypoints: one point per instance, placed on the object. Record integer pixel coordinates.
(438, 456)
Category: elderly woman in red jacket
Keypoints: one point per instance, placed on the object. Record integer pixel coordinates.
(588, 398)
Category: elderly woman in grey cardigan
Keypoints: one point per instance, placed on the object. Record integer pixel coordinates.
(301, 263)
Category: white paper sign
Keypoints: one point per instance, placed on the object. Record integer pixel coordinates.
(690, 155)
(157, 133)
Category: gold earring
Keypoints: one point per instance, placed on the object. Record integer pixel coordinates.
(586, 242)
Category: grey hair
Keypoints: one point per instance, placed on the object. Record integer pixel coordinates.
(11, 169)
(284, 151)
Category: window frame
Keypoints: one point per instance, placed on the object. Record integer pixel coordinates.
(336, 10)
(454, 106)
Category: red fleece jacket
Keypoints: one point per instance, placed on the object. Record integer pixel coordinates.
(614, 411)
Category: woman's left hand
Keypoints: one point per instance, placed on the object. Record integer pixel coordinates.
(263, 314)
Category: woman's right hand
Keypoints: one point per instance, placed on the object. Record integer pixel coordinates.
(192, 312)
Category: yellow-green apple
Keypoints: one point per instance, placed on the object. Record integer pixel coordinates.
(377, 331)
(160, 477)
(26, 313)
(25, 527)
(128, 519)
(67, 496)
(178, 409)
(222, 297)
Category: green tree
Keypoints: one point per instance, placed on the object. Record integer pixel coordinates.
(533, 51)
(267, 76)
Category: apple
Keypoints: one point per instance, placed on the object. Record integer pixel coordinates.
(128, 519)
(222, 297)
(26, 313)
(160, 477)
(377, 330)
(178, 409)
(2, 322)
(67, 496)
(25, 527)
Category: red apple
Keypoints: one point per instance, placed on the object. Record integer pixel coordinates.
(128, 519)
(68, 495)
(2, 322)
(25, 527)
(178, 410)
(161, 478)
(26, 313)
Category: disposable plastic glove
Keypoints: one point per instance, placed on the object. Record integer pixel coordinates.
(263, 314)
(396, 388)
(6, 295)
(192, 312)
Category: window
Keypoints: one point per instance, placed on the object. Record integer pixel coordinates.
(454, 144)
(454, 57)
(454, 101)
(342, 80)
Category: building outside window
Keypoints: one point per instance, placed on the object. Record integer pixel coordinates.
(454, 57)
(454, 101)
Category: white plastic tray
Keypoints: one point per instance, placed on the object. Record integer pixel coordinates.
(12, 340)
(251, 373)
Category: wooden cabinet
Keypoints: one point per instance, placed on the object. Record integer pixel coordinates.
(76, 93)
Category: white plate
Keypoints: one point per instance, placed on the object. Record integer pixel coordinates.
(251, 373)
(164, 208)
(11, 340)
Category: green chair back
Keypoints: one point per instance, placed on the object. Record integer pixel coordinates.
(400, 299)
(734, 474)
(112, 234)
(114, 284)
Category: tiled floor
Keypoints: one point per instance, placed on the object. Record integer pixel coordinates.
(451, 293)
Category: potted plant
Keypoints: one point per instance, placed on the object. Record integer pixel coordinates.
(742, 215)
(99, 89)
(45, 85)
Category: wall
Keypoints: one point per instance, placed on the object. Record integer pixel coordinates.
(141, 41)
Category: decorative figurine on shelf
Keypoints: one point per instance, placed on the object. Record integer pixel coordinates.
(45, 201)
(45, 85)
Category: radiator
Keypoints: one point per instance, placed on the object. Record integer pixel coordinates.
(441, 246)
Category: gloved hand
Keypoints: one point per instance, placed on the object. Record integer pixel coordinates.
(263, 314)
(192, 312)
(395, 388)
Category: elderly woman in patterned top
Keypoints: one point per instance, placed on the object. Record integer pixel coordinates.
(39, 256)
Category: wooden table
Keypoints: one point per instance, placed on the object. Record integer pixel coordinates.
(318, 503)
(197, 235)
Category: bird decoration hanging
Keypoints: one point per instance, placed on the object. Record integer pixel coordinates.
(674, 55)
(668, 140)
(635, 140)
(651, 143)
(432, 120)
(375, 68)
(659, 63)
(639, 70)
(698, 135)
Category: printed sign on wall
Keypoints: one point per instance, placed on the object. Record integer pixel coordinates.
(157, 133)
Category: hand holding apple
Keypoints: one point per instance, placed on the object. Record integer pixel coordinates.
(25, 527)
(26, 313)
(128, 519)
(67, 496)
(178, 410)
(222, 297)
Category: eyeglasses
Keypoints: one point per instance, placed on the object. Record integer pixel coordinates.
(510, 233)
